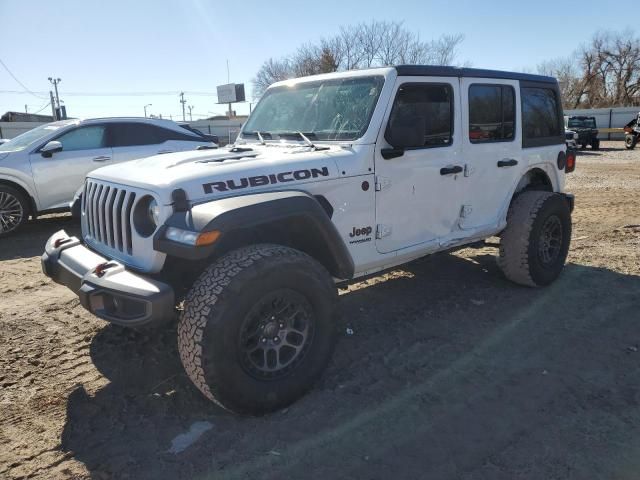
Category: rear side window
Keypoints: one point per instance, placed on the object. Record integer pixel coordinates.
(132, 134)
(492, 113)
(541, 117)
(427, 104)
(84, 138)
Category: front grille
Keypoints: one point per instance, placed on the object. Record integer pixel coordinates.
(107, 214)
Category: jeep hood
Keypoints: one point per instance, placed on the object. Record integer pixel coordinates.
(209, 174)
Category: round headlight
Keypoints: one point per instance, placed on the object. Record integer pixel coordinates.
(154, 212)
(146, 216)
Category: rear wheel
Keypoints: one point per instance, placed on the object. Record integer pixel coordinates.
(535, 243)
(257, 329)
(595, 144)
(629, 142)
(14, 210)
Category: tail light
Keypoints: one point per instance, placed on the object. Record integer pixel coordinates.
(570, 164)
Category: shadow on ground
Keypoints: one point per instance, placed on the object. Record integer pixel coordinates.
(452, 372)
(30, 239)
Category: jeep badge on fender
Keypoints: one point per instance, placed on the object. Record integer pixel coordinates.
(251, 241)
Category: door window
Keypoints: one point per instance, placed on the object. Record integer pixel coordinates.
(134, 134)
(83, 138)
(492, 113)
(424, 109)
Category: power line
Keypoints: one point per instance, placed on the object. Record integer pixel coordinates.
(18, 81)
(121, 94)
(45, 106)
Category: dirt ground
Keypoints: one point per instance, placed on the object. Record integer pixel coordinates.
(448, 371)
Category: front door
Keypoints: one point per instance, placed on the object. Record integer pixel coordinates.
(60, 176)
(420, 188)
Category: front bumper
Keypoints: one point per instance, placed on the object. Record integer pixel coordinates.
(105, 287)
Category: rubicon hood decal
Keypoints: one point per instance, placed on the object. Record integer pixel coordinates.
(262, 180)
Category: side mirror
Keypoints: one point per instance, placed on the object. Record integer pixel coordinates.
(404, 131)
(50, 148)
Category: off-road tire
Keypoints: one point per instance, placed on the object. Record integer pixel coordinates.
(583, 146)
(595, 145)
(629, 142)
(528, 217)
(12, 198)
(219, 304)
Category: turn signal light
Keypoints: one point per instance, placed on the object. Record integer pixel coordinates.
(207, 238)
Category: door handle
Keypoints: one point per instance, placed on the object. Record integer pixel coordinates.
(451, 170)
(507, 162)
(101, 158)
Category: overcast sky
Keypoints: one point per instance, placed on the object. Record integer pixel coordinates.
(112, 55)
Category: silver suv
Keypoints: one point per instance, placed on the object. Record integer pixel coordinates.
(42, 169)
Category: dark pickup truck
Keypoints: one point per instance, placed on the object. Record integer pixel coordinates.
(586, 129)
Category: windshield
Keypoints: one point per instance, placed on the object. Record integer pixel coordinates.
(27, 138)
(334, 109)
(582, 123)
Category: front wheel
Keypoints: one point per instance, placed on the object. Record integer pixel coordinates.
(535, 243)
(595, 145)
(258, 329)
(14, 210)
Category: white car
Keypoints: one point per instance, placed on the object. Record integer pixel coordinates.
(333, 177)
(42, 169)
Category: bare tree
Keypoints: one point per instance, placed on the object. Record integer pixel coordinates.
(364, 45)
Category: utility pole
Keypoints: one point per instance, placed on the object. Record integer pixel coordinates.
(190, 116)
(183, 101)
(25, 108)
(55, 82)
(145, 109)
(54, 115)
(229, 81)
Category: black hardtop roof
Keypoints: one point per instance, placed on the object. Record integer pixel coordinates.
(443, 71)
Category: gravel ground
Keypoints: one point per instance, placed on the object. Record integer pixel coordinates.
(449, 371)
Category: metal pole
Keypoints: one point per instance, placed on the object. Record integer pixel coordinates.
(609, 134)
(25, 108)
(53, 107)
(183, 101)
(190, 115)
(55, 86)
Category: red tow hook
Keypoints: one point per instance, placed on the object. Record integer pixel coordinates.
(60, 241)
(102, 268)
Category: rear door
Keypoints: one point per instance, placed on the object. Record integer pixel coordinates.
(418, 193)
(59, 177)
(492, 148)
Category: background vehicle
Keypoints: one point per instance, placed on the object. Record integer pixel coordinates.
(632, 132)
(586, 129)
(207, 136)
(42, 169)
(333, 177)
(571, 139)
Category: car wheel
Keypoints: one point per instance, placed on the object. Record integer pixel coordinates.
(535, 243)
(595, 145)
(257, 328)
(629, 142)
(14, 210)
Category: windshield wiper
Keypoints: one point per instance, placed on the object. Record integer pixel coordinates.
(304, 138)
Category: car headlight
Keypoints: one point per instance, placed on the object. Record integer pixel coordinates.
(154, 212)
(146, 216)
(188, 237)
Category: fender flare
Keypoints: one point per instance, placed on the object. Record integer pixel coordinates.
(291, 218)
(9, 179)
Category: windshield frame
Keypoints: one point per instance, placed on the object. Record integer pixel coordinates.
(293, 135)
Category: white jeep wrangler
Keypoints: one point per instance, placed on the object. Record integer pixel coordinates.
(332, 178)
